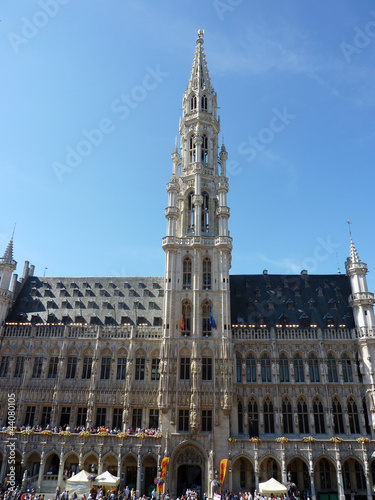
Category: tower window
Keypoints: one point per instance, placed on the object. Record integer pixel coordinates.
(193, 103)
(192, 149)
(186, 318)
(186, 274)
(206, 322)
(204, 103)
(204, 150)
(206, 274)
(206, 368)
(190, 213)
(185, 369)
(205, 212)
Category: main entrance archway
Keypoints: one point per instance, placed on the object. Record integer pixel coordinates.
(189, 477)
(189, 467)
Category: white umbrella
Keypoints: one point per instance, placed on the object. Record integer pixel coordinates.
(272, 486)
(107, 479)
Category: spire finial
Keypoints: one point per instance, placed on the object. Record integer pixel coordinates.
(14, 229)
(201, 34)
(350, 230)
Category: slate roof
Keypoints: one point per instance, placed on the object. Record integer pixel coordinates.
(265, 299)
(94, 300)
(303, 300)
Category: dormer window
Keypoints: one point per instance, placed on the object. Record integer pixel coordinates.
(204, 103)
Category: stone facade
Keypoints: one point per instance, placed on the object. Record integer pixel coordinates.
(273, 373)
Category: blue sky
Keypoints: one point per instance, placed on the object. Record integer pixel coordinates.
(67, 69)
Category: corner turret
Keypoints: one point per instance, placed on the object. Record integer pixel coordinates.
(7, 266)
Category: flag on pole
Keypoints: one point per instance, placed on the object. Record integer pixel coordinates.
(212, 321)
(223, 469)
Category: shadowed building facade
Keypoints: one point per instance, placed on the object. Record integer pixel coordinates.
(274, 373)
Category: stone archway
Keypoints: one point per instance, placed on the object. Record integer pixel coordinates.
(188, 472)
(298, 475)
(243, 478)
(269, 467)
(325, 477)
(354, 478)
(149, 467)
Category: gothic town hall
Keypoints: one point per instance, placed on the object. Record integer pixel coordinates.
(273, 373)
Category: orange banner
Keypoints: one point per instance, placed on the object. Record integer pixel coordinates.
(164, 467)
(223, 469)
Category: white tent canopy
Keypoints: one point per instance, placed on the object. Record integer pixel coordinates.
(80, 478)
(272, 486)
(79, 483)
(107, 479)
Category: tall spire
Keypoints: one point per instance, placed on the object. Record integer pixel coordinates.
(353, 253)
(8, 254)
(199, 77)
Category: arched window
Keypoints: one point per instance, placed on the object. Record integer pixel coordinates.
(238, 367)
(269, 424)
(206, 322)
(303, 416)
(347, 371)
(186, 318)
(186, 274)
(332, 368)
(318, 416)
(253, 416)
(251, 369)
(299, 374)
(204, 150)
(284, 368)
(314, 368)
(206, 274)
(193, 103)
(265, 364)
(353, 416)
(338, 422)
(191, 149)
(205, 212)
(287, 412)
(204, 102)
(240, 417)
(190, 213)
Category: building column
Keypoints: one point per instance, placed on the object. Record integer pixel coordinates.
(61, 466)
(283, 467)
(41, 471)
(311, 474)
(119, 462)
(138, 488)
(340, 483)
(256, 470)
(100, 463)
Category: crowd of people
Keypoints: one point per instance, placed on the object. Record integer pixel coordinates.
(152, 431)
